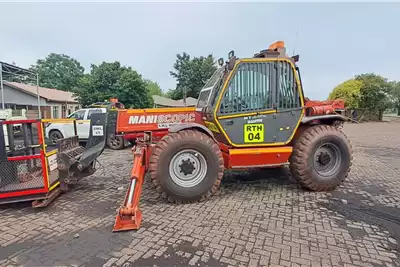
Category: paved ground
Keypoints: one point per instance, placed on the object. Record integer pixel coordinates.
(260, 219)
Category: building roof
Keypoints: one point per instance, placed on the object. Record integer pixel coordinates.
(190, 101)
(167, 102)
(47, 93)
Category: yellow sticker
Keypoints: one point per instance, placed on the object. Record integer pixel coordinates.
(254, 133)
(211, 126)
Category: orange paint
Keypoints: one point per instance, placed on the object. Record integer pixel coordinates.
(254, 157)
(157, 119)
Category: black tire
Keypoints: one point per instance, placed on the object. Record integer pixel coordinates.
(184, 143)
(54, 135)
(322, 157)
(115, 142)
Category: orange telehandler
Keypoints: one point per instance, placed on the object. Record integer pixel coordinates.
(253, 114)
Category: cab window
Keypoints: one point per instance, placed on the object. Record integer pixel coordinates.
(91, 111)
(250, 89)
(288, 96)
(78, 115)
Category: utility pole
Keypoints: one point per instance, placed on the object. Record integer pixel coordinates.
(1, 85)
(184, 95)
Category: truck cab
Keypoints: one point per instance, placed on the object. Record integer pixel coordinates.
(63, 129)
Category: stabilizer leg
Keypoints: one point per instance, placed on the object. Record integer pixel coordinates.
(129, 216)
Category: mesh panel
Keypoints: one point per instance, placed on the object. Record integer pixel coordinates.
(20, 175)
(23, 139)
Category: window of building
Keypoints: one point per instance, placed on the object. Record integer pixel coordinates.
(55, 112)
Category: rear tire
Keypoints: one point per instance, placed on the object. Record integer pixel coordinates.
(187, 166)
(321, 158)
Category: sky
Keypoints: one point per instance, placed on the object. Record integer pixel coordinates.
(335, 41)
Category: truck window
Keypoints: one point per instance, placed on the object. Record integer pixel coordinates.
(78, 115)
(91, 111)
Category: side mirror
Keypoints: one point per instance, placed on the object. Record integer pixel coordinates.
(231, 54)
(221, 61)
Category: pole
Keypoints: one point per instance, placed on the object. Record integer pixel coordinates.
(184, 96)
(1, 85)
(38, 96)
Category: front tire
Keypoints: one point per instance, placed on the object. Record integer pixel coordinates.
(187, 166)
(321, 158)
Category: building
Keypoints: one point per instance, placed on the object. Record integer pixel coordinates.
(160, 101)
(53, 103)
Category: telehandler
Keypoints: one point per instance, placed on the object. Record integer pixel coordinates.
(254, 115)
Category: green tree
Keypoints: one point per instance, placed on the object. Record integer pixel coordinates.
(109, 80)
(191, 74)
(395, 95)
(58, 71)
(153, 88)
(349, 91)
(374, 92)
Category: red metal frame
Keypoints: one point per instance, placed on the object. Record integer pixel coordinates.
(23, 157)
(24, 192)
(19, 121)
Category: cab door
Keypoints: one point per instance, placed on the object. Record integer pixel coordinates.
(261, 103)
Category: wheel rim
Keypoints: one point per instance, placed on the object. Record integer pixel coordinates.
(115, 142)
(55, 136)
(188, 168)
(327, 159)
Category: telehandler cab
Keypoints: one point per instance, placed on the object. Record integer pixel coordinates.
(255, 116)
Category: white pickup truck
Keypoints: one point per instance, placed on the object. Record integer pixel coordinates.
(57, 130)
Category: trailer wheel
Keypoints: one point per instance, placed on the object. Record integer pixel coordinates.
(321, 158)
(115, 142)
(186, 166)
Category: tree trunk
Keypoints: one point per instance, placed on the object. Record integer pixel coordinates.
(398, 108)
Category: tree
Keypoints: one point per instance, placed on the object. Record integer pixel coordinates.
(153, 88)
(349, 91)
(395, 95)
(58, 71)
(109, 80)
(374, 92)
(191, 74)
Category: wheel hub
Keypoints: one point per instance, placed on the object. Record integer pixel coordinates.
(327, 159)
(188, 168)
(324, 158)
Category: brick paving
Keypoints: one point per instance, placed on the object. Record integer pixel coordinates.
(261, 218)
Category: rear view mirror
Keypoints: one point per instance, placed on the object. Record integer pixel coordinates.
(231, 54)
(221, 61)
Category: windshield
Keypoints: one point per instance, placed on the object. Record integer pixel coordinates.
(207, 89)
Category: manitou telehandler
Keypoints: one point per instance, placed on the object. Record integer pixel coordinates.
(255, 116)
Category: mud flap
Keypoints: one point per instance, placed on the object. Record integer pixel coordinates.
(75, 161)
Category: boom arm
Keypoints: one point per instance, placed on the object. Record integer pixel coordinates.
(129, 216)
